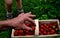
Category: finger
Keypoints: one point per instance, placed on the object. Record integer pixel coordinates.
(21, 14)
(17, 28)
(32, 15)
(26, 27)
(29, 12)
(30, 20)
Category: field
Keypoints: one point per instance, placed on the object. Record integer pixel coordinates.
(43, 9)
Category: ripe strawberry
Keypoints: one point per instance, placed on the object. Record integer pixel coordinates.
(45, 24)
(45, 33)
(19, 34)
(41, 29)
(41, 26)
(20, 31)
(33, 28)
(49, 24)
(52, 30)
(27, 34)
(48, 33)
(27, 24)
(30, 33)
(15, 34)
(47, 27)
(26, 31)
(55, 24)
(40, 33)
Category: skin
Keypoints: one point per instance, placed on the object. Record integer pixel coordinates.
(8, 4)
(18, 22)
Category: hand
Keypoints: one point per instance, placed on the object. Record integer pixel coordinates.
(18, 22)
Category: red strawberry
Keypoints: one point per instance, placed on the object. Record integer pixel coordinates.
(30, 33)
(20, 31)
(52, 31)
(15, 34)
(41, 26)
(27, 34)
(49, 24)
(27, 24)
(26, 31)
(45, 24)
(50, 28)
(47, 27)
(44, 32)
(41, 29)
(40, 33)
(20, 35)
(33, 28)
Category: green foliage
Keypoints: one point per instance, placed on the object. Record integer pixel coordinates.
(43, 17)
(39, 7)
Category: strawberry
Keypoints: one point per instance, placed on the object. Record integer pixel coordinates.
(47, 27)
(41, 26)
(44, 32)
(27, 24)
(41, 30)
(20, 31)
(45, 24)
(26, 31)
(15, 34)
(52, 31)
(20, 35)
(33, 28)
(48, 33)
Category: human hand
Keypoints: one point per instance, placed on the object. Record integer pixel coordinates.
(18, 22)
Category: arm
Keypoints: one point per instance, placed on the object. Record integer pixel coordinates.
(3, 23)
(18, 21)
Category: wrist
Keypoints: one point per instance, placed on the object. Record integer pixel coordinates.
(3, 23)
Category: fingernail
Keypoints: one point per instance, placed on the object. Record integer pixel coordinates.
(29, 12)
(35, 15)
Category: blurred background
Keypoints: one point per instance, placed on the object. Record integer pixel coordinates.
(43, 9)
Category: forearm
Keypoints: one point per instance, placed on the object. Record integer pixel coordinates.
(3, 23)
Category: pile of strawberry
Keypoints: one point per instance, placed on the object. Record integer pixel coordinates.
(24, 32)
(48, 28)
